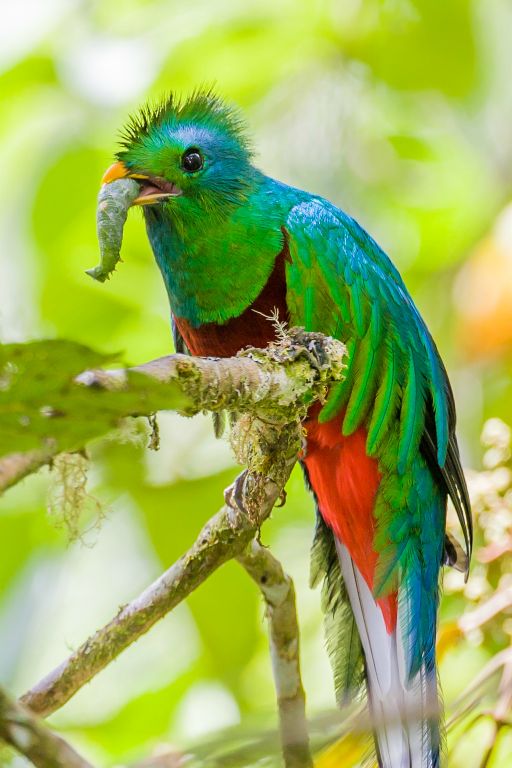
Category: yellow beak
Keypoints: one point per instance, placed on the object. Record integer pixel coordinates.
(114, 172)
(119, 171)
(150, 194)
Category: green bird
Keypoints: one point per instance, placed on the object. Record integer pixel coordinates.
(381, 455)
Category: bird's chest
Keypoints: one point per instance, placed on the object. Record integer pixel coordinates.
(253, 327)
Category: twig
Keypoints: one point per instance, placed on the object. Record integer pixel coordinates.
(493, 551)
(498, 602)
(31, 738)
(503, 708)
(164, 756)
(279, 594)
(497, 662)
(15, 466)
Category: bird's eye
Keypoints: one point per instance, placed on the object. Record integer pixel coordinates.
(192, 160)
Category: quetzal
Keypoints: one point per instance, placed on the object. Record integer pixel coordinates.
(381, 455)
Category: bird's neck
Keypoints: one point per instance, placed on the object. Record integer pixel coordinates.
(255, 326)
(214, 267)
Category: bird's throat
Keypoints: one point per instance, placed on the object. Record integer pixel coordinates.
(213, 270)
(253, 327)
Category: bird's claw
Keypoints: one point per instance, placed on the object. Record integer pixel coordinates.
(281, 501)
(310, 348)
(234, 494)
(315, 353)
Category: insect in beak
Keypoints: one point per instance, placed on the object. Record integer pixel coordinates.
(153, 189)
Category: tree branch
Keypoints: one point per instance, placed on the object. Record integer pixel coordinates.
(31, 738)
(278, 383)
(279, 594)
(225, 536)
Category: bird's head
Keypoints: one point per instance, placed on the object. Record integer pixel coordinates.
(188, 156)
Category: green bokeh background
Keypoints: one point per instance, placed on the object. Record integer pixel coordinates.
(398, 111)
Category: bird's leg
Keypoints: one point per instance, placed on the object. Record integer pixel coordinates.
(316, 354)
(247, 494)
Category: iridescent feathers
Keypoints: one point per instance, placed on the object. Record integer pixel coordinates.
(201, 109)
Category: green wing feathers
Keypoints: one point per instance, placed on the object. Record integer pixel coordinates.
(341, 283)
(386, 401)
(411, 414)
(367, 369)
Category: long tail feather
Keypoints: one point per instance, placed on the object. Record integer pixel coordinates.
(404, 708)
(341, 635)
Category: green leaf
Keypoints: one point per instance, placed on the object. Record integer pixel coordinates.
(40, 404)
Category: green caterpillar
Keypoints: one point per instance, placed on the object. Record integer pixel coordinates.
(114, 200)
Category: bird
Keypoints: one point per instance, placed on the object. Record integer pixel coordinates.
(234, 247)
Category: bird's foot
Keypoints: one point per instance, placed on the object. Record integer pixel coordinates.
(234, 495)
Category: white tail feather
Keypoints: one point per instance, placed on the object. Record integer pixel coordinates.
(401, 709)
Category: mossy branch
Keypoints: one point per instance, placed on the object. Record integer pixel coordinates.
(223, 537)
(15, 466)
(278, 383)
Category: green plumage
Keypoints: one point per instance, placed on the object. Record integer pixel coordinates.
(384, 408)
(338, 281)
(365, 380)
(392, 381)
(411, 416)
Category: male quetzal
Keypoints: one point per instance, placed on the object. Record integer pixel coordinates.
(381, 455)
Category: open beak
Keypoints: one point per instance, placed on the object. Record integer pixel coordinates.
(153, 189)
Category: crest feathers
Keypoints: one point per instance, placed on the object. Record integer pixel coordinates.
(201, 107)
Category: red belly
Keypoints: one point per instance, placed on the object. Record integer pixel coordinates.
(345, 481)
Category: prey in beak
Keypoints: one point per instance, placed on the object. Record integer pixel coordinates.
(120, 190)
(153, 189)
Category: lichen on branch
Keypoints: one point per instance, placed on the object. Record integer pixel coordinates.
(48, 407)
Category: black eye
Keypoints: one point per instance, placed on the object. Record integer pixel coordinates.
(192, 160)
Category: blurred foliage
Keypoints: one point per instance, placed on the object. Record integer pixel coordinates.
(485, 603)
(397, 110)
(40, 403)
